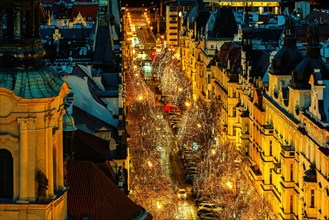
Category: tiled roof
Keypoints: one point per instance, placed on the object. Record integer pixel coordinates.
(78, 70)
(68, 34)
(225, 25)
(92, 193)
(107, 169)
(301, 32)
(90, 122)
(39, 83)
(201, 21)
(317, 16)
(267, 34)
(260, 62)
(103, 54)
(90, 147)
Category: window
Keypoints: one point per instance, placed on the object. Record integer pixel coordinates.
(291, 204)
(271, 148)
(312, 198)
(291, 172)
(234, 112)
(6, 175)
(271, 173)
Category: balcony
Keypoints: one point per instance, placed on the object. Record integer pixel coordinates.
(267, 129)
(277, 168)
(255, 172)
(287, 152)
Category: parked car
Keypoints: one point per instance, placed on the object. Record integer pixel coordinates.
(208, 215)
(200, 200)
(190, 163)
(189, 178)
(206, 207)
(182, 194)
(175, 117)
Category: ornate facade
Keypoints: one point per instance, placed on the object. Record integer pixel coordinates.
(31, 97)
(275, 109)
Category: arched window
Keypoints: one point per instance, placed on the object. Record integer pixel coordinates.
(6, 174)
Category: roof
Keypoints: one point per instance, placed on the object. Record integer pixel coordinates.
(38, 83)
(90, 147)
(107, 169)
(317, 16)
(225, 25)
(103, 54)
(88, 122)
(259, 62)
(80, 71)
(267, 34)
(201, 21)
(68, 33)
(92, 193)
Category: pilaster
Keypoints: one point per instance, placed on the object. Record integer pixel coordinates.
(23, 161)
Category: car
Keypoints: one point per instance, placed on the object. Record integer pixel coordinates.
(200, 200)
(182, 194)
(208, 207)
(175, 116)
(174, 123)
(189, 178)
(174, 113)
(208, 215)
(175, 126)
(190, 163)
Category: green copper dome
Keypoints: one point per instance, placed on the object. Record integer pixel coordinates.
(35, 83)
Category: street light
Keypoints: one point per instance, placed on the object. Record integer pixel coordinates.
(140, 97)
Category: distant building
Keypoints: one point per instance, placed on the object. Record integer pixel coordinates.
(174, 18)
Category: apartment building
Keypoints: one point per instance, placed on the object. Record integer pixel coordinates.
(174, 17)
(274, 108)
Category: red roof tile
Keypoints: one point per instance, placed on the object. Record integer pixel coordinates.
(107, 169)
(89, 147)
(91, 193)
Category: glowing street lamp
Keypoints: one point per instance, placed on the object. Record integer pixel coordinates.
(187, 104)
(140, 97)
(229, 184)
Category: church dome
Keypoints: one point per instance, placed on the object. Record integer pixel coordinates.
(288, 56)
(313, 60)
(31, 83)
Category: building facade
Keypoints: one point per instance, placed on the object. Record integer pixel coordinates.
(31, 112)
(274, 108)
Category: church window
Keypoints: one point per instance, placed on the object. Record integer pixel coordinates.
(6, 174)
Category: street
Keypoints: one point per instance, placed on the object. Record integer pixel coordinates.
(183, 209)
(186, 208)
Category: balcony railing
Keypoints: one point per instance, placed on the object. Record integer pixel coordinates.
(287, 151)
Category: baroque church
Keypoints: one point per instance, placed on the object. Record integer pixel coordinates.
(31, 113)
